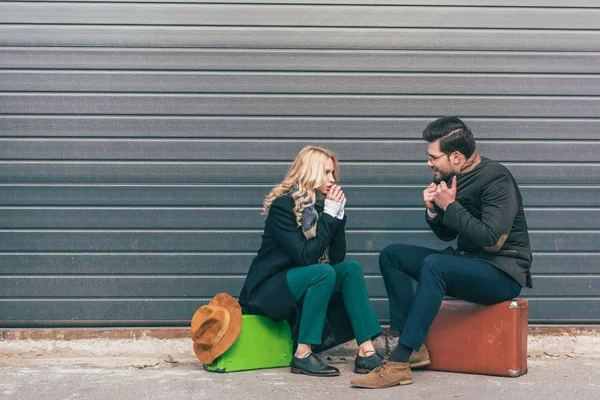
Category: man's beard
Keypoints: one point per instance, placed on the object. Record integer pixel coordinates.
(443, 176)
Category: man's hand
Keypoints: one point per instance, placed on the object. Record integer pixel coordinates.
(444, 195)
(428, 197)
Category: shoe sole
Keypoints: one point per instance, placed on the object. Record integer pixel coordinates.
(401, 383)
(302, 372)
(420, 364)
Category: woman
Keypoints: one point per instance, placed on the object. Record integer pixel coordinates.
(300, 267)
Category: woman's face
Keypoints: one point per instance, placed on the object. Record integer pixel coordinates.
(328, 180)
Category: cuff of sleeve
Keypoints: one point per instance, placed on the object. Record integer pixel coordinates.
(431, 215)
(332, 208)
(341, 213)
(332, 221)
(449, 213)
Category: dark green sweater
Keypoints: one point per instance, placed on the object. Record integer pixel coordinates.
(489, 221)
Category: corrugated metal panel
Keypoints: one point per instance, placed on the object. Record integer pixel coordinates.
(277, 150)
(412, 173)
(299, 82)
(494, 3)
(298, 104)
(251, 218)
(174, 311)
(209, 285)
(198, 59)
(138, 139)
(300, 15)
(247, 240)
(188, 263)
(250, 195)
(307, 128)
(290, 37)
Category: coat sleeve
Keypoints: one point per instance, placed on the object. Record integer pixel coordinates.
(337, 248)
(442, 231)
(499, 207)
(281, 224)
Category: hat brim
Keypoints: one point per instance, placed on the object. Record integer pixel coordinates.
(207, 356)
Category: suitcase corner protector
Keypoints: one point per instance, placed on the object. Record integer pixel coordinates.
(513, 373)
(207, 367)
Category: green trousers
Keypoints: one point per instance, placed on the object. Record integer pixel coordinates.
(313, 285)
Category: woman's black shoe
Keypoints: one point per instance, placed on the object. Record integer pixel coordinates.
(313, 366)
(364, 365)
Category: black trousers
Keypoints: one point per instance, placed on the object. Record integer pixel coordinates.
(413, 312)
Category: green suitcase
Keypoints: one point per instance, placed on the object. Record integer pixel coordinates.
(262, 343)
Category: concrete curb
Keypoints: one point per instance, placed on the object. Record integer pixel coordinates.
(174, 343)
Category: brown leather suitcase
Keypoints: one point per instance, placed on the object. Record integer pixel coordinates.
(471, 338)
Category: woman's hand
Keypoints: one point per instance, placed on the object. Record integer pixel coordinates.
(336, 194)
(338, 198)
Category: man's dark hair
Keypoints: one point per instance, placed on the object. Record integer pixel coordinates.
(454, 135)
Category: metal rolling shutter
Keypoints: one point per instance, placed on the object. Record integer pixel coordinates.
(138, 139)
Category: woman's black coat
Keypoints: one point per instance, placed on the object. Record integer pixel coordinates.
(266, 291)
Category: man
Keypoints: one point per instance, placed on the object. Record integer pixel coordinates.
(478, 201)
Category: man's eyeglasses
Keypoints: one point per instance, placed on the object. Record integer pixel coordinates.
(432, 158)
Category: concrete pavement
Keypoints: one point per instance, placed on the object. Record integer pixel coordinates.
(114, 364)
(136, 378)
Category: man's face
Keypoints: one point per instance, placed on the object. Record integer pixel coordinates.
(439, 162)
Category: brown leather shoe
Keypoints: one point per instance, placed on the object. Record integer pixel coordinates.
(388, 374)
(419, 359)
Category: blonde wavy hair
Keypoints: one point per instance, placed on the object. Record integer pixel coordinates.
(306, 173)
